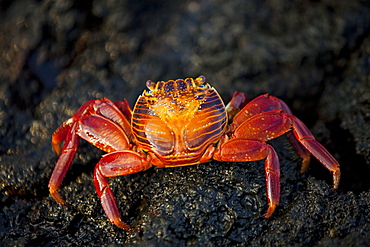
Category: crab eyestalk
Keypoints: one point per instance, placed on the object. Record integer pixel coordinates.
(150, 85)
(200, 80)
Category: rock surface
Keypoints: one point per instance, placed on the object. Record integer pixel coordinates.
(56, 55)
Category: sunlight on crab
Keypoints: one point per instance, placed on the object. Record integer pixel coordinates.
(178, 123)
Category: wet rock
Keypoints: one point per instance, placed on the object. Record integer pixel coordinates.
(56, 55)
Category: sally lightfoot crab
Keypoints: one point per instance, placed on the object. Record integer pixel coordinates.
(179, 123)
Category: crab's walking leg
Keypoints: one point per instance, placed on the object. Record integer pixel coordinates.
(125, 108)
(305, 137)
(100, 122)
(242, 150)
(269, 125)
(112, 165)
(71, 141)
(266, 103)
(237, 102)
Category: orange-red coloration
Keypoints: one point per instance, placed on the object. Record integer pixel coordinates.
(178, 120)
(178, 123)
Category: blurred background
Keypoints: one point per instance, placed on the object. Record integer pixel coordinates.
(56, 55)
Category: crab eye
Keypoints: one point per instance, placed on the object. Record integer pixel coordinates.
(150, 85)
(200, 80)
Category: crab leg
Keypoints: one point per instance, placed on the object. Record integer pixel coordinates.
(112, 165)
(269, 125)
(305, 137)
(125, 108)
(65, 159)
(242, 150)
(102, 133)
(237, 102)
(119, 112)
(266, 103)
(102, 123)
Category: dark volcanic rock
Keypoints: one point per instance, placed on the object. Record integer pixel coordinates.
(56, 55)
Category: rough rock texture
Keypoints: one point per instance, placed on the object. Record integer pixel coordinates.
(56, 55)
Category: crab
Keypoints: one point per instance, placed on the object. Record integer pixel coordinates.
(179, 123)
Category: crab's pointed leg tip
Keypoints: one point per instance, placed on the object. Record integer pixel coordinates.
(270, 210)
(122, 224)
(336, 178)
(305, 165)
(56, 148)
(57, 197)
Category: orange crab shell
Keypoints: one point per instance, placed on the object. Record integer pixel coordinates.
(178, 119)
